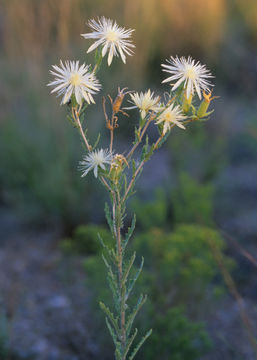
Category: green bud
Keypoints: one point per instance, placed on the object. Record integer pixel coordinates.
(186, 103)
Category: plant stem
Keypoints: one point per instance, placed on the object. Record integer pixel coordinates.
(140, 137)
(117, 213)
(76, 118)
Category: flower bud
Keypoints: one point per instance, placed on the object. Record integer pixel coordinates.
(202, 110)
(186, 103)
(117, 167)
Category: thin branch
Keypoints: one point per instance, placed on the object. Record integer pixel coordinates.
(140, 137)
(76, 118)
(132, 180)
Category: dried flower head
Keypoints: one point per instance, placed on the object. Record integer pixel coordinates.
(74, 79)
(145, 102)
(95, 159)
(192, 73)
(111, 37)
(172, 115)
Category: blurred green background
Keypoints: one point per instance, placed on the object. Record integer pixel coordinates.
(196, 201)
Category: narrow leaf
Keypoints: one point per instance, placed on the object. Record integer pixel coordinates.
(97, 141)
(108, 217)
(130, 342)
(142, 299)
(133, 281)
(110, 316)
(113, 335)
(140, 344)
(110, 252)
(113, 282)
(128, 268)
(129, 232)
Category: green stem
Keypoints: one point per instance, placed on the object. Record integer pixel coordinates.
(117, 213)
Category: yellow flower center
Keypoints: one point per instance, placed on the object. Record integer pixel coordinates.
(170, 117)
(111, 36)
(190, 73)
(75, 79)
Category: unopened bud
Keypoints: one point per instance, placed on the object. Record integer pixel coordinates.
(186, 103)
(202, 110)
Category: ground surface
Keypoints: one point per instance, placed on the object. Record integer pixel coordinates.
(47, 302)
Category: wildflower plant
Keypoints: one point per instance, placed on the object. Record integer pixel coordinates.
(118, 173)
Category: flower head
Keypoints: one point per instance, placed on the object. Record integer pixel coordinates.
(95, 159)
(172, 115)
(192, 73)
(111, 37)
(74, 79)
(144, 102)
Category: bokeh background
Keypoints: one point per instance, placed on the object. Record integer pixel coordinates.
(196, 202)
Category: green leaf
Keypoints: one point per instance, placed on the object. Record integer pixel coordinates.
(97, 141)
(142, 299)
(110, 252)
(114, 337)
(145, 148)
(113, 283)
(133, 167)
(129, 232)
(130, 342)
(110, 316)
(133, 281)
(165, 137)
(72, 121)
(140, 344)
(128, 268)
(137, 134)
(150, 153)
(108, 217)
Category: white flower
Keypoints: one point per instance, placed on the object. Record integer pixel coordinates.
(171, 115)
(74, 79)
(95, 159)
(112, 37)
(144, 102)
(192, 73)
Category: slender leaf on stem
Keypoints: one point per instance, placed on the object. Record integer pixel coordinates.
(145, 148)
(128, 268)
(133, 281)
(110, 316)
(115, 293)
(71, 121)
(165, 137)
(134, 168)
(113, 283)
(140, 344)
(97, 141)
(149, 153)
(130, 342)
(142, 299)
(110, 251)
(129, 232)
(108, 217)
(114, 337)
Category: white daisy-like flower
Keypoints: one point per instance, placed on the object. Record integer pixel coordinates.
(192, 73)
(95, 159)
(145, 102)
(172, 115)
(111, 37)
(71, 78)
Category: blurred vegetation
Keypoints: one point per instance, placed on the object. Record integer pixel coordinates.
(83, 240)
